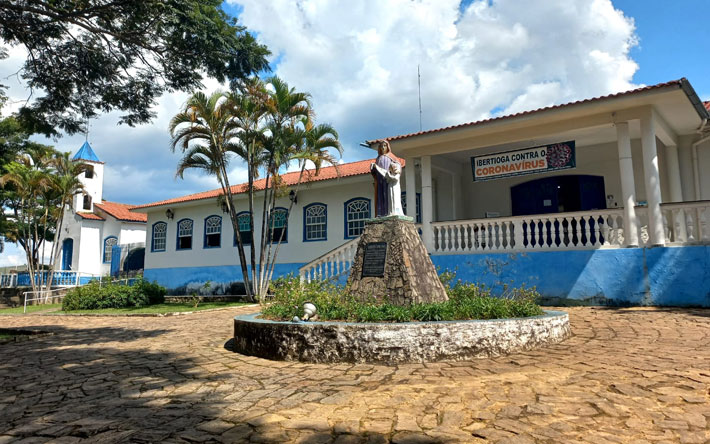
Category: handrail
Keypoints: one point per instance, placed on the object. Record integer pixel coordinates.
(40, 292)
(606, 211)
(330, 264)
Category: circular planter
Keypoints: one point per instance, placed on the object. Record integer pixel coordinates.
(395, 342)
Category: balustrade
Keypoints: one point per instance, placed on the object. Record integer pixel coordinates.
(563, 231)
(330, 265)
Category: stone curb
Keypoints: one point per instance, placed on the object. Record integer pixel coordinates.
(130, 315)
(393, 343)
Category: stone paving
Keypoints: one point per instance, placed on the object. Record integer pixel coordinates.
(628, 375)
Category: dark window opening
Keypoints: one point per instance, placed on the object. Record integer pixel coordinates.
(87, 202)
(89, 172)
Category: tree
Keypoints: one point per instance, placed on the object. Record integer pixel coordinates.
(268, 128)
(92, 56)
(203, 131)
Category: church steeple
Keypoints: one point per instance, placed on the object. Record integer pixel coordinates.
(86, 153)
(92, 179)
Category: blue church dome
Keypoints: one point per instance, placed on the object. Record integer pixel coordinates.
(86, 153)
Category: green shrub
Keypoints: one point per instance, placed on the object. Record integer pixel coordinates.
(94, 296)
(466, 301)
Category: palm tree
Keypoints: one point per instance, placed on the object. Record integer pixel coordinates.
(203, 132)
(285, 109)
(30, 179)
(314, 143)
(65, 184)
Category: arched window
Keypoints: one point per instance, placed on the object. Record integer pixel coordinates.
(279, 225)
(160, 231)
(184, 234)
(87, 202)
(357, 211)
(213, 232)
(89, 172)
(418, 203)
(244, 228)
(315, 222)
(109, 243)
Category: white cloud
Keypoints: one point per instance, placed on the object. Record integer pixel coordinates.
(492, 57)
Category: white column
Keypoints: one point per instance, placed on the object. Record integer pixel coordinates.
(652, 180)
(674, 173)
(676, 189)
(628, 187)
(427, 204)
(410, 176)
(455, 184)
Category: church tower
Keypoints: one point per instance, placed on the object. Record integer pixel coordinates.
(93, 179)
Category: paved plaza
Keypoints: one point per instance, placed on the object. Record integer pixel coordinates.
(627, 375)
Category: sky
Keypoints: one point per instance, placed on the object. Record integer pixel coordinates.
(359, 60)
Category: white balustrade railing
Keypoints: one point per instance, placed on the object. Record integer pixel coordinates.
(332, 264)
(687, 222)
(59, 279)
(560, 231)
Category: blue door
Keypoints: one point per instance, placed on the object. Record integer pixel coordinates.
(67, 251)
(115, 260)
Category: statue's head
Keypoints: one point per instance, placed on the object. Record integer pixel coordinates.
(383, 148)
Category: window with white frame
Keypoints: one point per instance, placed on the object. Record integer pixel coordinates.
(279, 225)
(244, 224)
(315, 222)
(160, 230)
(184, 240)
(109, 243)
(213, 232)
(357, 211)
(418, 205)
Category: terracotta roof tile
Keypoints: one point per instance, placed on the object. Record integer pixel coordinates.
(121, 211)
(326, 173)
(90, 216)
(678, 82)
(707, 105)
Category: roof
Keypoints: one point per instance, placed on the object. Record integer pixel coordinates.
(326, 173)
(90, 216)
(86, 153)
(681, 83)
(121, 211)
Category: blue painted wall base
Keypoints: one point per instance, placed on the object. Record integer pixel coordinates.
(662, 276)
(223, 280)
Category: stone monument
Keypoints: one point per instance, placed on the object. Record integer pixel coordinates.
(392, 264)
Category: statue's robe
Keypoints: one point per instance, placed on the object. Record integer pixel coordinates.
(382, 194)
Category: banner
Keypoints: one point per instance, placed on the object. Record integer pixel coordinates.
(540, 159)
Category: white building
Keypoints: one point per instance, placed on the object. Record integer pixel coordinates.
(94, 228)
(601, 201)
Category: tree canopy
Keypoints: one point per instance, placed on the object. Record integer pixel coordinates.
(91, 56)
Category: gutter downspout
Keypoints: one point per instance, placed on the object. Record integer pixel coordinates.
(696, 169)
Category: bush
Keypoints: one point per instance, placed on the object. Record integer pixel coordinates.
(94, 296)
(466, 301)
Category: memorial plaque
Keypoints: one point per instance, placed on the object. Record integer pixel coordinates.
(373, 261)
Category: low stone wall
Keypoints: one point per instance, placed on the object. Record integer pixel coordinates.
(395, 342)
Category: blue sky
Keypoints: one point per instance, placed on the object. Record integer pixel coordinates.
(674, 41)
(359, 61)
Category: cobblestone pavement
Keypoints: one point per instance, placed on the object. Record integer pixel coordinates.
(627, 375)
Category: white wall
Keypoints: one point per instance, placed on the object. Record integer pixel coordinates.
(704, 169)
(93, 187)
(333, 193)
(132, 233)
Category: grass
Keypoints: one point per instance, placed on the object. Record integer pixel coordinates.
(176, 307)
(4, 336)
(466, 302)
(156, 308)
(31, 309)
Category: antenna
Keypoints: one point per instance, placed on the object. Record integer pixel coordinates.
(86, 133)
(419, 84)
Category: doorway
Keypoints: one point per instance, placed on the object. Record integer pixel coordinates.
(558, 194)
(67, 252)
